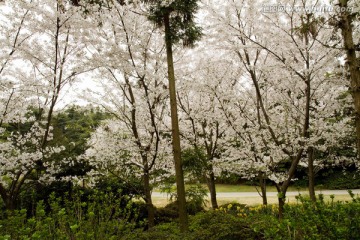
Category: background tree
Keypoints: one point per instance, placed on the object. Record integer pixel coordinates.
(204, 127)
(133, 91)
(48, 56)
(290, 104)
(72, 128)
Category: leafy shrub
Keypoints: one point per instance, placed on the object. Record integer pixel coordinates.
(309, 220)
(216, 225)
(163, 231)
(171, 211)
(195, 203)
(211, 225)
(64, 190)
(338, 179)
(167, 213)
(322, 220)
(100, 217)
(195, 199)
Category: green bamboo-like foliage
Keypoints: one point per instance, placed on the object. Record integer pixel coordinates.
(181, 17)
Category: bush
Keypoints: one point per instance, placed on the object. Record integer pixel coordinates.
(338, 179)
(34, 192)
(211, 225)
(195, 203)
(216, 225)
(322, 220)
(171, 211)
(100, 217)
(163, 231)
(166, 214)
(309, 220)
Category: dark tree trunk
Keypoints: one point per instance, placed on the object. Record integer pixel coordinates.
(352, 63)
(281, 189)
(8, 202)
(180, 185)
(311, 174)
(281, 200)
(262, 182)
(148, 200)
(211, 185)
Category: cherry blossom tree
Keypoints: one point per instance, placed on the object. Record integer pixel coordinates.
(130, 57)
(204, 128)
(290, 84)
(177, 18)
(40, 59)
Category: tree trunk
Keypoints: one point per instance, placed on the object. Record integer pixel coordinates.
(281, 200)
(311, 174)
(262, 182)
(148, 200)
(8, 202)
(281, 189)
(211, 185)
(353, 64)
(10, 196)
(180, 186)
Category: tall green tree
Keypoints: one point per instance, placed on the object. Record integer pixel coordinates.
(177, 20)
(346, 24)
(72, 128)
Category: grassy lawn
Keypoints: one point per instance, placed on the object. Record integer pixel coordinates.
(162, 201)
(247, 188)
(274, 200)
(243, 188)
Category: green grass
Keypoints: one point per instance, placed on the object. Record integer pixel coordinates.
(243, 188)
(162, 201)
(247, 188)
(235, 188)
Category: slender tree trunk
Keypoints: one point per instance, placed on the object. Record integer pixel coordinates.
(148, 200)
(180, 186)
(211, 185)
(353, 64)
(311, 174)
(3, 194)
(262, 182)
(9, 203)
(306, 133)
(282, 189)
(281, 200)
